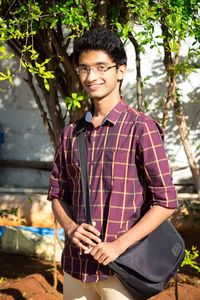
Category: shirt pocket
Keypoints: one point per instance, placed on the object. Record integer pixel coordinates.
(116, 164)
(113, 156)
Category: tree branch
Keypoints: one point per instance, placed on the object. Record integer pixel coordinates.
(72, 79)
(101, 13)
(43, 114)
(138, 72)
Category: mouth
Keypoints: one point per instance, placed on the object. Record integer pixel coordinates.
(94, 86)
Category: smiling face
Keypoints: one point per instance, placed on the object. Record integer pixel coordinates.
(99, 75)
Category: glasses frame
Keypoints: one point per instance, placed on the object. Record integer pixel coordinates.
(94, 67)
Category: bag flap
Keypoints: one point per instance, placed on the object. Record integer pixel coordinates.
(155, 257)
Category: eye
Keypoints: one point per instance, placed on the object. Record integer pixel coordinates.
(83, 69)
(101, 68)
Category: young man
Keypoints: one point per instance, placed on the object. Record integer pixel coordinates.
(125, 149)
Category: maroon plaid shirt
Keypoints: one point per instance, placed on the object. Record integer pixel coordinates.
(124, 150)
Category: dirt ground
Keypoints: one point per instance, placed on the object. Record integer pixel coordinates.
(29, 278)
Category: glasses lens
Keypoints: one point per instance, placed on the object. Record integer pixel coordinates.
(99, 69)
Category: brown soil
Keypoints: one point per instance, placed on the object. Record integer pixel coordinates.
(25, 278)
(29, 278)
(31, 287)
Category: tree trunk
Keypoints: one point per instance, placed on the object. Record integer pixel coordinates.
(184, 135)
(43, 113)
(138, 73)
(172, 97)
(168, 62)
(52, 120)
(50, 44)
(101, 12)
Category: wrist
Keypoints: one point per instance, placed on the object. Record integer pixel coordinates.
(125, 241)
(71, 228)
(120, 245)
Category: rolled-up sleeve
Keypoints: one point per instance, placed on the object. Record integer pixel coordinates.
(156, 165)
(58, 188)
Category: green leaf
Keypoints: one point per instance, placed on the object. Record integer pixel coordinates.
(3, 51)
(46, 84)
(53, 24)
(80, 98)
(74, 95)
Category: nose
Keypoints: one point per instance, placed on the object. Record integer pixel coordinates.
(91, 75)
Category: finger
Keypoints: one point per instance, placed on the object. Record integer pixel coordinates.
(79, 244)
(99, 256)
(107, 261)
(98, 251)
(88, 237)
(85, 240)
(101, 259)
(87, 251)
(90, 228)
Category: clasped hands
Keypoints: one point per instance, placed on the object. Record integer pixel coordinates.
(87, 238)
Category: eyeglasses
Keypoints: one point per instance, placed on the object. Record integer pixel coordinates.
(98, 69)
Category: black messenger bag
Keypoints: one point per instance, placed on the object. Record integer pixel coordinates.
(145, 268)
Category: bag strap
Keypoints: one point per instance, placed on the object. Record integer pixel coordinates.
(82, 150)
(176, 285)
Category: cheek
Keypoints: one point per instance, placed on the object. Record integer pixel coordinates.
(83, 83)
(81, 80)
(113, 81)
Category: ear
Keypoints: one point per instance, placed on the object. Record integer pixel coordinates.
(121, 72)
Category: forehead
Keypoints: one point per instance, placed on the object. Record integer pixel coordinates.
(91, 57)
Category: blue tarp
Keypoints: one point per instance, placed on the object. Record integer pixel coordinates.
(39, 230)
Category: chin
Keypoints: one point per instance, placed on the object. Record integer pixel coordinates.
(95, 96)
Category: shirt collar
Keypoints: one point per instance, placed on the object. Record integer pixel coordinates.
(112, 116)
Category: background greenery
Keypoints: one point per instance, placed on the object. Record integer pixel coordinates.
(41, 34)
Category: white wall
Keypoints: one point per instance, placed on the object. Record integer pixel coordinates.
(26, 138)
(155, 90)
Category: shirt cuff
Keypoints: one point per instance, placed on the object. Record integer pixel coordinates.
(164, 196)
(57, 193)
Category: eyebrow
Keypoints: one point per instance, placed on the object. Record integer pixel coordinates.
(98, 63)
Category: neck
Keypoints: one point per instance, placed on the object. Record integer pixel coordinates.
(104, 106)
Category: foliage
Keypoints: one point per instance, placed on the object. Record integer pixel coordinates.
(180, 16)
(8, 212)
(40, 34)
(21, 23)
(4, 55)
(35, 67)
(74, 101)
(190, 259)
(2, 280)
(72, 14)
(6, 76)
(28, 18)
(12, 215)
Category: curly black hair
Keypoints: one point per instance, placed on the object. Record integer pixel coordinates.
(101, 39)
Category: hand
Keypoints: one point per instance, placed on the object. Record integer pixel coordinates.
(104, 252)
(84, 236)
